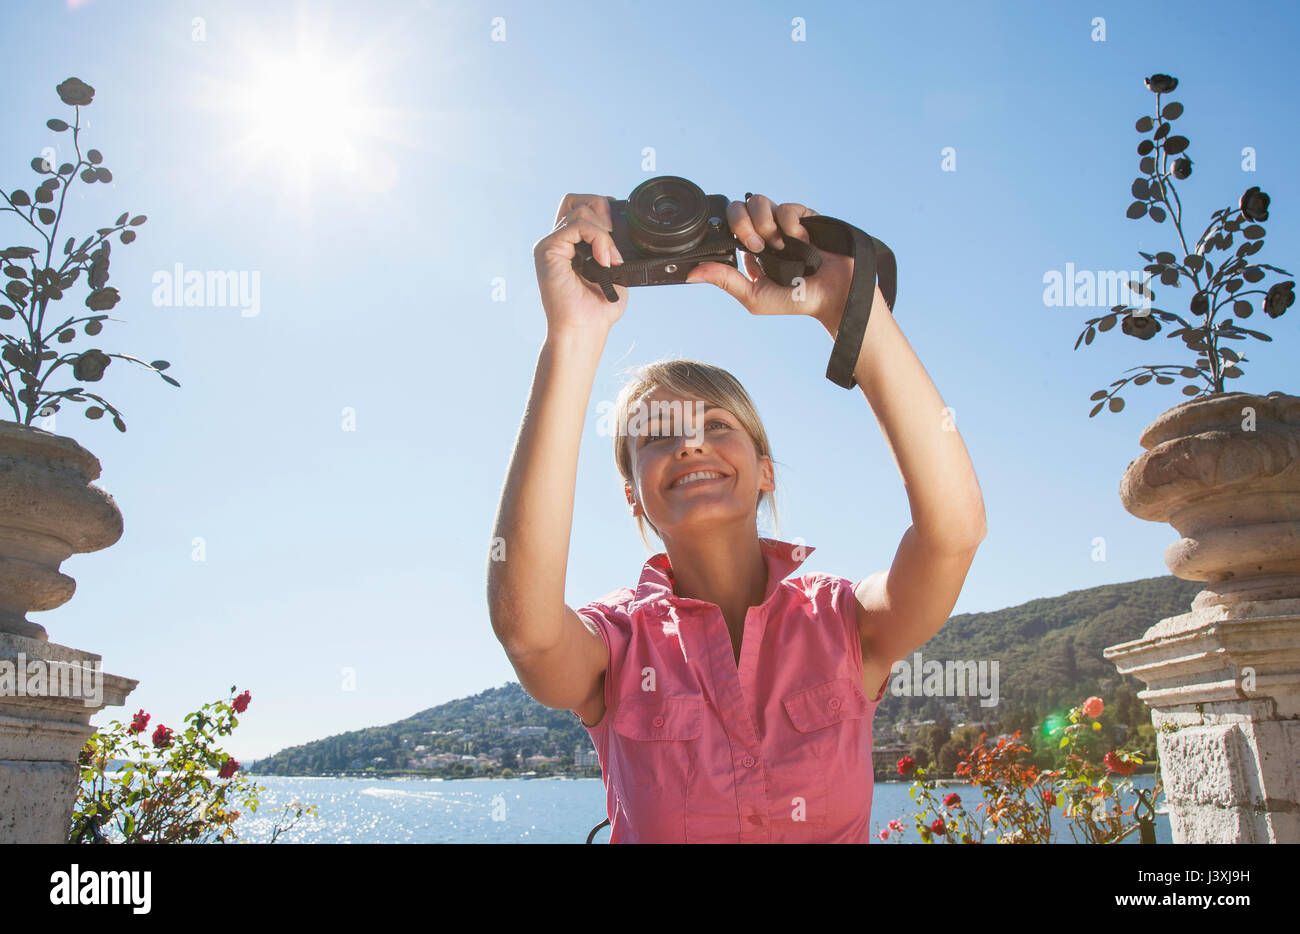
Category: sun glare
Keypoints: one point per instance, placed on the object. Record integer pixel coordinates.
(305, 117)
(305, 114)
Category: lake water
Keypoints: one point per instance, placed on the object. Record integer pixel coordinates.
(361, 810)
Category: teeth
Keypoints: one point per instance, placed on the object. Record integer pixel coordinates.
(698, 475)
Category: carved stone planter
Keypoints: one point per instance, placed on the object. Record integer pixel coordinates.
(49, 510)
(1223, 680)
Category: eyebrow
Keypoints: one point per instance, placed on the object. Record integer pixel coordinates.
(707, 410)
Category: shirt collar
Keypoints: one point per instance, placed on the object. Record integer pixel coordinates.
(656, 586)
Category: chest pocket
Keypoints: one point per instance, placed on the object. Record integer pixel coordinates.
(837, 789)
(819, 707)
(650, 718)
(656, 762)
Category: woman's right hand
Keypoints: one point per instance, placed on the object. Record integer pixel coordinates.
(569, 300)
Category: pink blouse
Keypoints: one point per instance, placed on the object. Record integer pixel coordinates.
(695, 749)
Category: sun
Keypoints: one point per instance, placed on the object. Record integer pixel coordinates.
(303, 113)
(306, 117)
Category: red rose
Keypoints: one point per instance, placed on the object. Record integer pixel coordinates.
(937, 827)
(139, 722)
(906, 765)
(162, 737)
(1093, 707)
(241, 702)
(228, 768)
(1049, 798)
(1116, 764)
(952, 800)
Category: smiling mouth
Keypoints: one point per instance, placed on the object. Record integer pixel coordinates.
(697, 482)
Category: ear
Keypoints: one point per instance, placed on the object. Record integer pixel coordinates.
(631, 500)
(767, 476)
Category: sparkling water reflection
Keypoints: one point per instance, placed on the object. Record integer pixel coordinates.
(358, 810)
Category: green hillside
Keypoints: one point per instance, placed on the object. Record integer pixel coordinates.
(1048, 653)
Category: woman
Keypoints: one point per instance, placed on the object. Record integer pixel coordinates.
(726, 703)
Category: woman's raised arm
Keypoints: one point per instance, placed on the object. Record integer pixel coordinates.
(560, 662)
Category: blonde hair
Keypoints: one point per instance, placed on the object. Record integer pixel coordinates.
(693, 380)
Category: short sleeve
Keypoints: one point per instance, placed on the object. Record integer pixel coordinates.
(846, 602)
(595, 615)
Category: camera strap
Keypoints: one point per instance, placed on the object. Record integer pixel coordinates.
(872, 262)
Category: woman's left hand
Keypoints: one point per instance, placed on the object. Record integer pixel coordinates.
(756, 223)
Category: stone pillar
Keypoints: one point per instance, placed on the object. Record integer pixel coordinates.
(1223, 680)
(43, 726)
(49, 510)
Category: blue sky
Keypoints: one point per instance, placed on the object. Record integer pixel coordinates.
(375, 195)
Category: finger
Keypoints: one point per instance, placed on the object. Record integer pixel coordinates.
(604, 249)
(726, 278)
(787, 215)
(760, 212)
(599, 203)
(575, 229)
(743, 227)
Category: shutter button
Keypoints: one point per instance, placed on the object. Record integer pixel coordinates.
(748, 762)
(658, 722)
(834, 703)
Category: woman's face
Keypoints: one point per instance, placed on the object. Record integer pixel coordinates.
(669, 442)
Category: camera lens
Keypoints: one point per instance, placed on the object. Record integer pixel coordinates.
(667, 215)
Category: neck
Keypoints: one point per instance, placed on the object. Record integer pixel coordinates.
(725, 567)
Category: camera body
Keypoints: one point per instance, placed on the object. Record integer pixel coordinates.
(665, 228)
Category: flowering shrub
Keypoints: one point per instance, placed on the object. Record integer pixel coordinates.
(163, 793)
(1020, 799)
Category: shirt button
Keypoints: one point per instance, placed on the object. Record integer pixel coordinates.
(658, 722)
(748, 762)
(834, 703)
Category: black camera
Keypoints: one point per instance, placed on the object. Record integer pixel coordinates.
(668, 226)
(664, 229)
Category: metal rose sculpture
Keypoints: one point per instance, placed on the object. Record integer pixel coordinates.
(34, 282)
(1157, 198)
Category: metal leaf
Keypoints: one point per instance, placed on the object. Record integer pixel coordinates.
(1136, 210)
(1157, 214)
(1173, 110)
(1176, 144)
